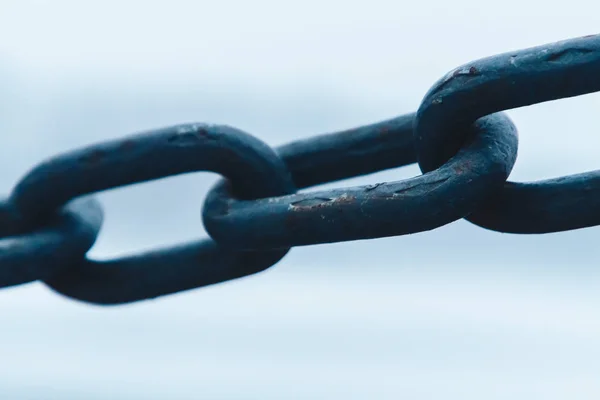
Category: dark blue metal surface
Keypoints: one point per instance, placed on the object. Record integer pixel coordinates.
(158, 273)
(27, 255)
(350, 153)
(254, 167)
(516, 79)
(251, 166)
(386, 209)
(466, 148)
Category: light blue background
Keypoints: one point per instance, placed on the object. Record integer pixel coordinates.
(456, 313)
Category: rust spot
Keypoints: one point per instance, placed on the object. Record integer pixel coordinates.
(462, 73)
(93, 157)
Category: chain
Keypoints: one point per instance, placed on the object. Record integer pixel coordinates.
(464, 143)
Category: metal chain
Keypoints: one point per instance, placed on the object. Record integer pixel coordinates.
(464, 144)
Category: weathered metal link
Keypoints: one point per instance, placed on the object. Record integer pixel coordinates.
(365, 212)
(350, 153)
(253, 170)
(552, 205)
(254, 167)
(159, 272)
(507, 81)
(29, 252)
(465, 145)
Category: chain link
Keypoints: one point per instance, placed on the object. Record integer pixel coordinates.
(464, 144)
(366, 212)
(507, 81)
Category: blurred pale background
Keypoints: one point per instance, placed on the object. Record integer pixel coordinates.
(456, 313)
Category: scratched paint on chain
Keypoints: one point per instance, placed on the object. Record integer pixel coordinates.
(465, 146)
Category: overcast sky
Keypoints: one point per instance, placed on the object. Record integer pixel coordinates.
(456, 313)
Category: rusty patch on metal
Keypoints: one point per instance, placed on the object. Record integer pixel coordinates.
(464, 74)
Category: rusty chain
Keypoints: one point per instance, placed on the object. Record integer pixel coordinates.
(463, 142)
